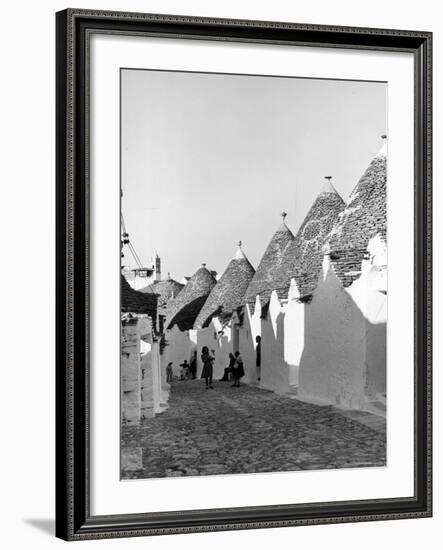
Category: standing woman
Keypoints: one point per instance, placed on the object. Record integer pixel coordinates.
(238, 370)
(207, 360)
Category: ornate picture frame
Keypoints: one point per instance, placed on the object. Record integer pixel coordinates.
(74, 520)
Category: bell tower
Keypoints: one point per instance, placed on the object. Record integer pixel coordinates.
(156, 267)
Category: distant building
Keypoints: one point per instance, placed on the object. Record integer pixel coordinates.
(166, 290)
(180, 338)
(140, 277)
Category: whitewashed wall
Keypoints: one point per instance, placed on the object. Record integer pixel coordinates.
(250, 328)
(130, 387)
(220, 339)
(294, 332)
(180, 345)
(344, 357)
(370, 294)
(277, 374)
(142, 392)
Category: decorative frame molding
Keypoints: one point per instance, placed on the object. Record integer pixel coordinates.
(73, 30)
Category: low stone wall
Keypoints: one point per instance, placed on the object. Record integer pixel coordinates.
(130, 372)
(144, 391)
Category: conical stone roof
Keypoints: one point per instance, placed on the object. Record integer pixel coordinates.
(303, 258)
(167, 290)
(134, 301)
(228, 293)
(363, 218)
(266, 278)
(183, 310)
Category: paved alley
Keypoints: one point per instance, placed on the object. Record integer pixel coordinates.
(238, 430)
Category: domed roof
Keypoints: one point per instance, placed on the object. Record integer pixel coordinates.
(303, 257)
(363, 218)
(266, 277)
(167, 290)
(183, 310)
(228, 293)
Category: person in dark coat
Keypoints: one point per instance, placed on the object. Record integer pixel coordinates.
(228, 369)
(185, 370)
(169, 372)
(258, 356)
(238, 370)
(207, 360)
(193, 365)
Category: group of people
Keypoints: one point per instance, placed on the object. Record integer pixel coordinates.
(234, 370)
(187, 370)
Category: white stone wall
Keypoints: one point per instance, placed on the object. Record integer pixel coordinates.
(277, 374)
(250, 328)
(344, 356)
(147, 385)
(294, 333)
(130, 373)
(370, 295)
(180, 345)
(143, 393)
(218, 338)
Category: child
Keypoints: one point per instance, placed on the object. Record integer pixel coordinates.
(184, 375)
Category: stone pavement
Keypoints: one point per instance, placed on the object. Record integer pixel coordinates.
(238, 430)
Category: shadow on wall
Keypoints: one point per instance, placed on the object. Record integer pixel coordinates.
(276, 373)
(344, 356)
(246, 343)
(186, 317)
(180, 345)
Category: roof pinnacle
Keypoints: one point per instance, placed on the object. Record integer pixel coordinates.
(239, 255)
(327, 186)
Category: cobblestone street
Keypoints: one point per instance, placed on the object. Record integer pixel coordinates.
(238, 430)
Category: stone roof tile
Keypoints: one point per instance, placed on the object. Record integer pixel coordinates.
(183, 310)
(266, 278)
(303, 258)
(133, 301)
(227, 295)
(363, 218)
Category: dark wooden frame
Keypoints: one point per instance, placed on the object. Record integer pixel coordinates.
(73, 518)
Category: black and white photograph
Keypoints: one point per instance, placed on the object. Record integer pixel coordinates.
(254, 299)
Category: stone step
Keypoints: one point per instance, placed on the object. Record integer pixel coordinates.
(291, 392)
(376, 407)
(381, 397)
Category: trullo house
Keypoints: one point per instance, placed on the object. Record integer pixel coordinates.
(344, 356)
(216, 324)
(181, 316)
(257, 298)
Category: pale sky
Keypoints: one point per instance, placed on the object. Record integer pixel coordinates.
(211, 159)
